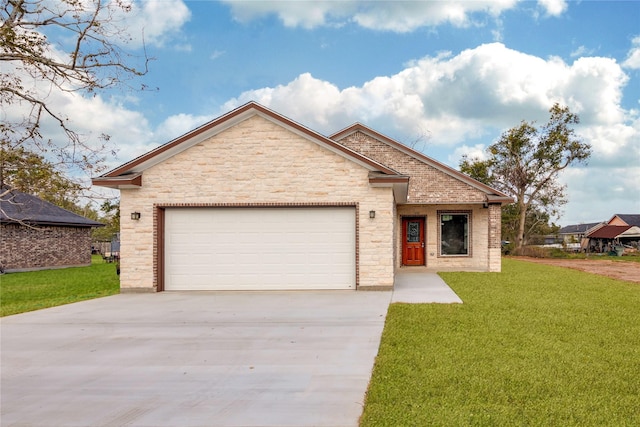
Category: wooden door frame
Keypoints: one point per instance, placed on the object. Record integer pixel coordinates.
(403, 239)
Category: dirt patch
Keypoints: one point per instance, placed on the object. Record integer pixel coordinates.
(629, 271)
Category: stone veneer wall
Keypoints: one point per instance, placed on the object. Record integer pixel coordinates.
(256, 162)
(34, 248)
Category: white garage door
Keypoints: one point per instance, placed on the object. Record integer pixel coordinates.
(259, 248)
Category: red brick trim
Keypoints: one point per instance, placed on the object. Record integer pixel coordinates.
(158, 229)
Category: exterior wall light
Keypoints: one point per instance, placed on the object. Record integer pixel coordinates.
(135, 216)
(372, 214)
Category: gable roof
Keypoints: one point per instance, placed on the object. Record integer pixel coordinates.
(610, 231)
(493, 195)
(629, 219)
(129, 175)
(17, 207)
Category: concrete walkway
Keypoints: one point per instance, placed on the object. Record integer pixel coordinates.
(417, 285)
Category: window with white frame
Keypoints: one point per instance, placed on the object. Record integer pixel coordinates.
(454, 233)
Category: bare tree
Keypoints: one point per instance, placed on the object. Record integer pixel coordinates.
(86, 58)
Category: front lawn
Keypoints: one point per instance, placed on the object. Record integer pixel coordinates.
(534, 345)
(21, 292)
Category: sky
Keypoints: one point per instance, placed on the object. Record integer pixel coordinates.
(447, 78)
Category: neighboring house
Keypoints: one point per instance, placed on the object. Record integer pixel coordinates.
(608, 237)
(602, 236)
(625, 219)
(574, 233)
(254, 200)
(38, 235)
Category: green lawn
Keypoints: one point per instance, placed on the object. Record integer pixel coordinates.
(21, 292)
(532, 346)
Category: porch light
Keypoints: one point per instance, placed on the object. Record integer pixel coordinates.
(372, 214)
(135, 216)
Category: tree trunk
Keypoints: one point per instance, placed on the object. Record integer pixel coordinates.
(522, 218)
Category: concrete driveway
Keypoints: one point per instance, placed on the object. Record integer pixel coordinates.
(193, 359)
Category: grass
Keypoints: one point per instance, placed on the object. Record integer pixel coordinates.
(532, 346)
(34, 290)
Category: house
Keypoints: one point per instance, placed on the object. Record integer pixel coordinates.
(38, 235)
(625, 219)
(609, 237)
(573, 234)
(254, 200)
(602, 236)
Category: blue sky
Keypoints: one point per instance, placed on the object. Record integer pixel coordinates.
(447, 77)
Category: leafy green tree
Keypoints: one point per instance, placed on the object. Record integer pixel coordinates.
(111, 218)
(32, 173)
(526, 162)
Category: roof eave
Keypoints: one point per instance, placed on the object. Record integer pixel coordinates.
(118, 182)
(399, 184)
(36, 223)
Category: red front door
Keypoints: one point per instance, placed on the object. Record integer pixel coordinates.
(413, 241)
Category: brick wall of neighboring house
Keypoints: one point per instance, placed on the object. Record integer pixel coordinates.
(430, 191)
(256, 162)
(42, 247)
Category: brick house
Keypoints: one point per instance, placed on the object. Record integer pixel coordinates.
(38, 235)
(253, 200)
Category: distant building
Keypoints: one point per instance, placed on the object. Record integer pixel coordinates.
(38, 235)
(625, 219)
(621, 230)
(574, 233)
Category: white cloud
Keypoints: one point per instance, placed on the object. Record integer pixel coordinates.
(216, 54)
(177, 125)
(597, 193)
(477, 151)
(456, 97)
(633, 57)
(154, 22)
(581, 51)
(397, 16)
(553, 7)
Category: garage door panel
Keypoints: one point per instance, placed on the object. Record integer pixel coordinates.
(259, 248)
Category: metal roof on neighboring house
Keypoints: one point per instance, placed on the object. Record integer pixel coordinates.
(609, 231)
(19, 207)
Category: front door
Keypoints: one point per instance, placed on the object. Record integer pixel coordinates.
(413, 241)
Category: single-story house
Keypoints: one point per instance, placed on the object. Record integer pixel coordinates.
(613, 237)
(575, 232)
(38, 235)
(601, 236)
(254, 200)
(625, 219)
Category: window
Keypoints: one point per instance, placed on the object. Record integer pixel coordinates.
(454, 233)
